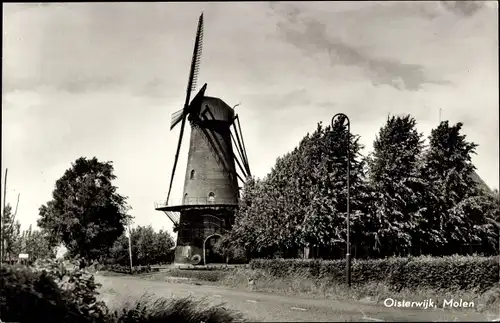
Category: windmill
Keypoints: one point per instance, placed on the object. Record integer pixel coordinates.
(211, 185)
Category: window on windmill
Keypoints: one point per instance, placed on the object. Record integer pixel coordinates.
(192, 174)
(185, 197)
(211, 197)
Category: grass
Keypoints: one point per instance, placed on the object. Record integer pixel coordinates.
(209, 275)
(300, 284)
(185, 310)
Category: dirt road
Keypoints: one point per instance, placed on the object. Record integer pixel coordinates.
(259, 307)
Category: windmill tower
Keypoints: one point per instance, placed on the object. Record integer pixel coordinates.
(211, 189)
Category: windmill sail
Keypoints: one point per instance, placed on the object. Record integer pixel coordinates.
(193, 75)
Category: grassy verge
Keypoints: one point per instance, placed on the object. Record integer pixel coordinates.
(301, 284)
(305, 286)
(185, 310)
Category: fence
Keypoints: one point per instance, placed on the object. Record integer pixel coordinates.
(197, 201)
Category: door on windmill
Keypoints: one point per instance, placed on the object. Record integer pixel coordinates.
(186, 252)
(211, 197)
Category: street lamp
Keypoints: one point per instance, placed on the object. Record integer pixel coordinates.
(348, 254)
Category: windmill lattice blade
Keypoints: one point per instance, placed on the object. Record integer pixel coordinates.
(176, 118)
(195, 62)
(176, 155)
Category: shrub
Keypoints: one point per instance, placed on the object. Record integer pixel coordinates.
(203, 275)
(77, 285)
(184, 310)
(48, 296)
(126, 269)
(444, 273)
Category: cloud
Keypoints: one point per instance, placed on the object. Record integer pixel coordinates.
(310, 35)
(465, 8)
(81, 48)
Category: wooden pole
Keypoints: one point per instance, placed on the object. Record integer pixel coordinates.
(130, 247)
(15, 212)
(3, 214)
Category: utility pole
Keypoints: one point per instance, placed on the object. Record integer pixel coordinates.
(3, 214)
(15, 213)
(130, 246)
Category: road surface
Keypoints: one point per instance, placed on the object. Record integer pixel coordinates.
(259, 307)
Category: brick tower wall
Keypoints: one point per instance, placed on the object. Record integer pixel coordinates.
(205, 173)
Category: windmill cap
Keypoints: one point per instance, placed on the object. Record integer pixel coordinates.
(219, 110)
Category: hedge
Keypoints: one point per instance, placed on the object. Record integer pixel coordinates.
(207, 275)
(125, 269)
(443, 273)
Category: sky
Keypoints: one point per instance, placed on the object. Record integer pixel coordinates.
(102, 79)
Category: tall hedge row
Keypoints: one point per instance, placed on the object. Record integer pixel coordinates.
(444, 273)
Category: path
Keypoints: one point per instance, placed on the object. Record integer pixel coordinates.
(267, 307)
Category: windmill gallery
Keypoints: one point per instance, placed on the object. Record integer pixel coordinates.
(211, 190)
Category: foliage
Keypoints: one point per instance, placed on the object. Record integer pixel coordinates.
(77, 285)
(405, 199)
(10, 234)
(85, 213)
(445, 273)
(148, 247)
(126, 269)
(297, 206)
(457, 212)
(184, 310)
(35, 243)
(233, 252)
(206, 275)
(397, 187)
(49, 293)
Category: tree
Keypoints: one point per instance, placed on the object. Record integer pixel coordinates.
(148, 247)
(397, 186)
(457, 209)
(323, 185)
(10, 234)
(302, 201)
(36, 244)
(86, 213)
(253, 225)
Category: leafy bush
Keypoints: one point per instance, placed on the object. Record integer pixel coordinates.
(77, 285)
(49, 293)
(203, 275)
(444, 273)
(233, 252)
(126, 269)
(148, 248)
(184, 310)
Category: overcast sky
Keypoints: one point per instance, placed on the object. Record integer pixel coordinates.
(102, 79)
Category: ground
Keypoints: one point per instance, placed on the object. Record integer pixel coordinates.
(259, 307)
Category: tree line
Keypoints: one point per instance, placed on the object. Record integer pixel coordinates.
(15, 242)
(88, 217)
(406, 198)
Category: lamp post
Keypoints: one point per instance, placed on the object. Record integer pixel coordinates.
(348, 254)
